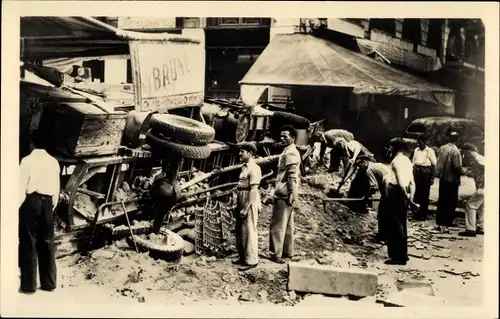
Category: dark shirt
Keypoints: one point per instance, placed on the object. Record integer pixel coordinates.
(449, 163)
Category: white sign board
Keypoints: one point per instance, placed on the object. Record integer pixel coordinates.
(167, 75)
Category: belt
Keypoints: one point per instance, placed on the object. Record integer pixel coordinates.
(35, 194)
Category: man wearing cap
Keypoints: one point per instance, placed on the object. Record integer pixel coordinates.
(285, 194)
(329, 139)
(448, 170)
(474, 208)
(424, 161)
(375, 173)
(249, 206)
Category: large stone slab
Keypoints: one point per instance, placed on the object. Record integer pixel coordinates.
(331, 280)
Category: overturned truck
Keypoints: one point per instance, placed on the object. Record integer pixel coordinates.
(163, 137)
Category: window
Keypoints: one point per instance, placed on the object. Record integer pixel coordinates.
(237, 21)
(411, 30)
(415, 128)
(255, 21)
(229, 21)
(386, 25)
(474, 131)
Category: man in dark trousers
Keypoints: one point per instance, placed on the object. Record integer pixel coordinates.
(40, 186)
(400, 188)
(448, 170)
(424, 162)
(375, 172)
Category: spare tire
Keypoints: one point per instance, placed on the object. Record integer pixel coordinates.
(170, 253)
(182, 129)
(186, 151)
(279, 119)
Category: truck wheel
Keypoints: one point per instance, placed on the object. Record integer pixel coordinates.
(279, 119)
(186, 151)
(182, 129)
(170, 253)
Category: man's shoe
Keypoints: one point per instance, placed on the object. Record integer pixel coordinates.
(26, 292)
(277, 260)
(395, 262)
(238, 262)
(467, 233)
(47, 289)
(479, 232)
(247, 267)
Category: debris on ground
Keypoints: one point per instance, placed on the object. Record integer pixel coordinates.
(328, 235)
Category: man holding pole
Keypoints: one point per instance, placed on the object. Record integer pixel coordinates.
(376, 172)
(285, 195)
(329, 139)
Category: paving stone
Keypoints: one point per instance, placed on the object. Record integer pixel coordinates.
(331, 280)
(415, 286)
(406, 298)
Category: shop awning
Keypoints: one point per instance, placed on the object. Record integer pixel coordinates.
(304, 60)
(69, 37)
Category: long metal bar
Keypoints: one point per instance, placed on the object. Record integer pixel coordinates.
(259, 161)
(129, 227)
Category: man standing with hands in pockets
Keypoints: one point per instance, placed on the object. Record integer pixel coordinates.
(40, 195)
(285, 195)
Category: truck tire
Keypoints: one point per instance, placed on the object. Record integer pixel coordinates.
(182, 129)
(170, 253)
(185, 151)
(279, 119)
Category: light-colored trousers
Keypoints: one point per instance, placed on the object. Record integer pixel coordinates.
(281, 229)
(474, 211)
(246, 229)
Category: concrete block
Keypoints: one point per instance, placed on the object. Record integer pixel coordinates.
(331, 280)
(406, 298)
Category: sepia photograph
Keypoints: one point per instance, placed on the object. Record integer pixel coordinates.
(273, 161)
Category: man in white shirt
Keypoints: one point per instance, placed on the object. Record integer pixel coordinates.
(424, 161)
(400, 189)
(40, 186)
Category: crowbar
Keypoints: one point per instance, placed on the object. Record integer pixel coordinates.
(129, 227)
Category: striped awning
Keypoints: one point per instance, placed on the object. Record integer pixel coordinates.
(304, 60)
